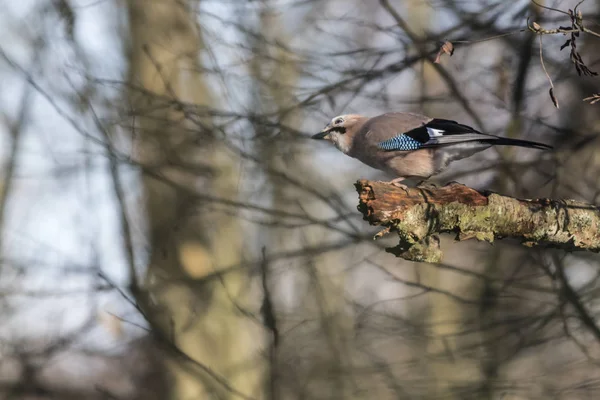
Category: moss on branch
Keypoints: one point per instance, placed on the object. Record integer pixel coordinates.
(418, 214)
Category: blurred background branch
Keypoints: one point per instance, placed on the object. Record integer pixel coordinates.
(168, 231)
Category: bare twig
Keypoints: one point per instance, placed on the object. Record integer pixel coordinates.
(548, 8)
(593, 99)
(551, 91)
(270, 322)
(574, 30)
(575, 300)
(163, 339)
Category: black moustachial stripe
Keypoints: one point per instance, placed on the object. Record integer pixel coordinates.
(339, 129)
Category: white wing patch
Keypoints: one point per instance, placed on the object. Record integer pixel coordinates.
(435, 132)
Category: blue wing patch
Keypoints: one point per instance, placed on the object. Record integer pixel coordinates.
(401, 142)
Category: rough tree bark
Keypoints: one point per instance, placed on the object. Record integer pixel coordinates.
(418, 214)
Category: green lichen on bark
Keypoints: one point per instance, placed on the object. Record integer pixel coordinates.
(418, 213)
(427, 250)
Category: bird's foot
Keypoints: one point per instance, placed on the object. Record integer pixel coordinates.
(396, 182)
(426, 184)
(400, 186)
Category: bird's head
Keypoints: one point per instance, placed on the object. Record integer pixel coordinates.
(341, 130)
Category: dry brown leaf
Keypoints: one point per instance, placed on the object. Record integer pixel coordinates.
(554, 101)
(447, 48)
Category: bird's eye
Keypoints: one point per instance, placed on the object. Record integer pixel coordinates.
(338, 121)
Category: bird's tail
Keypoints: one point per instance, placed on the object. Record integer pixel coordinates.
(501, 141)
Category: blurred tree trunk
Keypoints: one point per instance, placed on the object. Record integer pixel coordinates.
(275, 73)
(272, 72)
(446, 366)
(189, 243)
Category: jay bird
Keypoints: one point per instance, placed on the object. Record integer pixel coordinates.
(410, 145)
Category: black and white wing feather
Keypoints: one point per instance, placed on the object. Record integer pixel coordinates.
(443, 132)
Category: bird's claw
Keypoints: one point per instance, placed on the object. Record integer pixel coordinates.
(426, 184)
(396, 182)
(400, 185)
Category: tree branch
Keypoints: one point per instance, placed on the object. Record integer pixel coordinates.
(418, 214)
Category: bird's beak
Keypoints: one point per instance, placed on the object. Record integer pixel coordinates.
(324, 134)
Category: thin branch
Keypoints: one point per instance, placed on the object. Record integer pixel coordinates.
(162, 338)
(487, 39)
(549, 8)
(574, 299)
(593, 99)
(552, 96)
(556, 31)
(270, 322)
